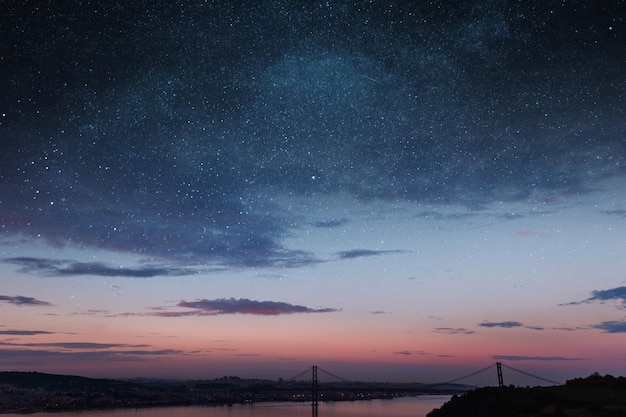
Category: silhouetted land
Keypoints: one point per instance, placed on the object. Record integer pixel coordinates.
(34, 391)
(594, 396)
(597, 396)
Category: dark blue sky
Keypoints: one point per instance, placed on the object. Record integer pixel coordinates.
(199, 139)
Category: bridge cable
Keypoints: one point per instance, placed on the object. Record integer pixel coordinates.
(301, 374)
(333, 375)
(531, 375)
(480, 371)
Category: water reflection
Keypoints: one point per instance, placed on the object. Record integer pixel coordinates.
(398, 407)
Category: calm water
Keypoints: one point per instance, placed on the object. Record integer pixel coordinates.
(399, 407)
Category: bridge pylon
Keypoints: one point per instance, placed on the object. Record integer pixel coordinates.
(500, 379)
(314, 388)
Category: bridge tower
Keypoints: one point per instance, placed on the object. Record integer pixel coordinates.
(500, 379)
(314, 388)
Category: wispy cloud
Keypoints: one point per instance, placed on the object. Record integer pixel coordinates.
(76, 345)
(435, 215)
(23, 301)
(24, 332)
(409, 352)
(570, 329)
(330, 224)
(278, 258)
(451, 330)
(618, 293)
(611, 326)
(102, 313)
(364, 253)
(420, 353)
(246, 306)
(535, 358)
(43, 356)
(619, 212)
(504, 324)
(58, 267)
(231, 306)
(509, 325)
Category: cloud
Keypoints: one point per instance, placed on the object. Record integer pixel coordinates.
(619, 212)
(363, 253)
(76, 345)
(330, 224)
(420, 353)
(276, 259)
(570, 329)
(23, 301)
(618, 293)
(509, 325)
(450, 330)
(435, 215)
(54, 267)
(611, 326)
(223, 306)
(24, 332)
(10, 357)
(159, 352)
(504, 324)
(92, 312)
(245, 306)
(409, 352)
(534, 358)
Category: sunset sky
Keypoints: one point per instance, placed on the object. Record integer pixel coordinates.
(394, 191)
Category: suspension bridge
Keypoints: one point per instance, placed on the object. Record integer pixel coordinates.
(494, 375)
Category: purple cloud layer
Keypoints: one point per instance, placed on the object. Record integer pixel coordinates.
(24, 332)
(245, 306)
(76, 345)
(450, 330)
(504, 324)
(222, 306)
(534, 358)
(363, 253)
(20, 300)
(57, 267)
(611, 326)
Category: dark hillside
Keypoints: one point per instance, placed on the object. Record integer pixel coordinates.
(51, 382)
(594, 396)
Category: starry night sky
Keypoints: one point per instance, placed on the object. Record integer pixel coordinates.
(445, 172)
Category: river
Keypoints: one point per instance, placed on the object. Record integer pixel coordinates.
(399, 407)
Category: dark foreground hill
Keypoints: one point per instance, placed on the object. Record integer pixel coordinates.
(51, 382)
(34, 391)
(595, 396)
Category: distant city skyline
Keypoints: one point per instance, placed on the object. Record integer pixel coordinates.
(407, 191)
